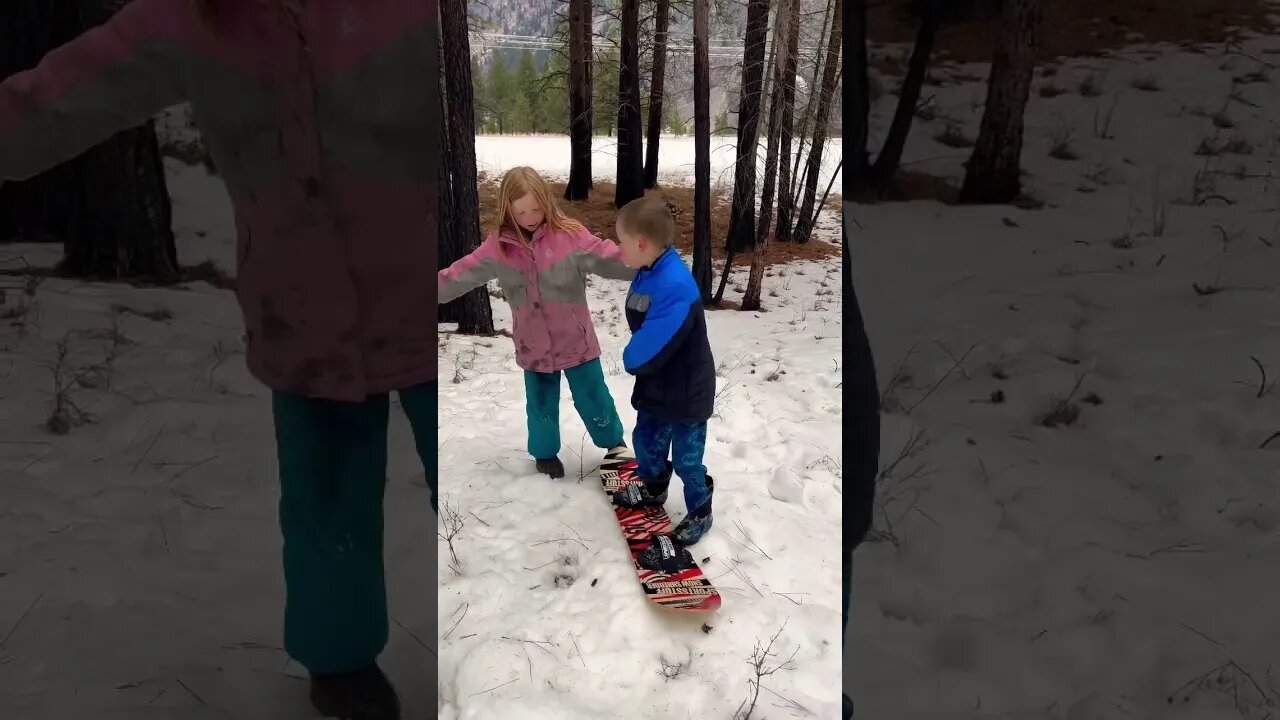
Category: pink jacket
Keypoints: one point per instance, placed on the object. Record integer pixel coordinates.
(320, 124)
(546, 288)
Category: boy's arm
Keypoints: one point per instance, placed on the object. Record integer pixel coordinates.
(469, 272)
(665, 326)
(601, 257)
(110, 79)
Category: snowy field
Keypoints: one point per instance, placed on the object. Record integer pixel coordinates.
(139, 554)
(1079, 514)
(495, 154)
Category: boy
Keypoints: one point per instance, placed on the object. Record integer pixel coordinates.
(675, 374)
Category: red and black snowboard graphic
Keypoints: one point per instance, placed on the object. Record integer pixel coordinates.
(685, 588)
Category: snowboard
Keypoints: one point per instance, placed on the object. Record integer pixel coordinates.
(682, 586)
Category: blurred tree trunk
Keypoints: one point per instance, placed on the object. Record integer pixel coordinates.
(110, 206)
(581, 121)
(458, 196)
(662, 22)
(701, 149)
(994, 173)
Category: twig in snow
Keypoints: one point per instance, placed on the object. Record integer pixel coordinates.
(21, 617)
(788, 596)
(416, 639)
(1206, 637)
(955, 365)
(1262, 384)
(1065, 411)
(465, 607)
(1228, 678)
(452, 522)
(537, 643)
(673, 670)
(575, 647)
(147, 452)
(191, 692)
(758, 661)
(495, 687)
(747, 537)
(560, 539)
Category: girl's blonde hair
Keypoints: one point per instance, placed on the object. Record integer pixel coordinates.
(521, 181)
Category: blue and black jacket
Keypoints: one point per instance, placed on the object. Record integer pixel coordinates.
(669, 352)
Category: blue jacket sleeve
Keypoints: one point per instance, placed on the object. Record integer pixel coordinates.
(666, 325)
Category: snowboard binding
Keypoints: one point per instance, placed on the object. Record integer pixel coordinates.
(665, 555)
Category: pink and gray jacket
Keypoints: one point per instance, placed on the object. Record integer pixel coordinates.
(545, 285)
(317, 119)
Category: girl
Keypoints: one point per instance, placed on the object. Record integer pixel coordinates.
(318, 122)
(541, 258)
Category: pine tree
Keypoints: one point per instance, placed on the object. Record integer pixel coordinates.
(501, 94)
(526, 101)
(553, 99)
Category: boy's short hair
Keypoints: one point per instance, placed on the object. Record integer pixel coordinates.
(650, 218)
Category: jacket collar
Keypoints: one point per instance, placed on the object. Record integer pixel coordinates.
(539, 233)
(665, 257)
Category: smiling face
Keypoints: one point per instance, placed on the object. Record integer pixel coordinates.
(527, 212)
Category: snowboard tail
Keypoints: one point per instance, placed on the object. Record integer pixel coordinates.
(680, 584)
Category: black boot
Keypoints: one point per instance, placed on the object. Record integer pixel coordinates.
(361, 695)
(552, 467)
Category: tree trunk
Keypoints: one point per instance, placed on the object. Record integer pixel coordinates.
(462, 233)
(109, 206)
(755, 279)
(786, 188)
(808, 214)
(811, 103)
(861, 91)
(630, 153)
(581, 122)
(123, 227)
(658, 79)
(742, 216)
(701, 149)
(994, 174)
(890, 155)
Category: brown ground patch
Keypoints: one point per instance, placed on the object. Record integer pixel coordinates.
(598, 214)
(1075, 28)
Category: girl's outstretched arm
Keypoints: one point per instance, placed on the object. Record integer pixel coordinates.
(111, 78)
(470, 272)
(600, 257)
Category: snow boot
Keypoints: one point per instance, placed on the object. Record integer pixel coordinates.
(551, 467)
(646, 493)
(698, 521)
(691, 529)
(362, 695)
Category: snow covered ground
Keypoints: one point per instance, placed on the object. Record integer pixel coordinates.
(1120, 564)
(546, 619)
(139, 553)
